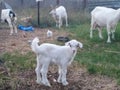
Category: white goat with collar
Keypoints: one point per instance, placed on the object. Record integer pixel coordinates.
(60, 55)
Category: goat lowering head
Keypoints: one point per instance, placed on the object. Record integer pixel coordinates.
(58, 14)
(53, 13)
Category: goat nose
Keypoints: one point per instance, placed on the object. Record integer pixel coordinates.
(73, 51)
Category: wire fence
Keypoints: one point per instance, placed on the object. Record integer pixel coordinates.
(75, 4)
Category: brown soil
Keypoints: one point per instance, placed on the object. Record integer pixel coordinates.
(77, 76)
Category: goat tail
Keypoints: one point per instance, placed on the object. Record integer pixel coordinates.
(34, 45)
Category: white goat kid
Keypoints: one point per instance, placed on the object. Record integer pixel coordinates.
(7, 15)
(59, 14)
(60, 55)
(104, 17)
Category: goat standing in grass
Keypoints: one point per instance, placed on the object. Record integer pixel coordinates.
(59, 14)
(7, 15)
(60, 55)
(104, 17)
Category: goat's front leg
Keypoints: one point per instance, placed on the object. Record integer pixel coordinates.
(11, 28)
(57, 23)
(10, 25)
(15, 28)
(44, 71)
(64, 72)
(108, 33)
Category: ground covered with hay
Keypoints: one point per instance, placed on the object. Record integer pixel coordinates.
(16, 76)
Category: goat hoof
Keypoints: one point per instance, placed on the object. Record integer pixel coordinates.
(10, 33)
(38, 81)
(101, 37)
(65, 83)
(91, 37)
(108, 41)
(59, 81)
(46, 84)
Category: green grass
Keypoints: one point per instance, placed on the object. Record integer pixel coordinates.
(16, 62)
(98, 56)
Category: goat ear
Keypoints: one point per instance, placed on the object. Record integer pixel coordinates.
(80, 45)
(67, 44)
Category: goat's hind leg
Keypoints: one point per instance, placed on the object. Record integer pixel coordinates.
(109, 33)
(59, 80)
(113, 33)
(64, 72)
(100, 32)
(93, 25)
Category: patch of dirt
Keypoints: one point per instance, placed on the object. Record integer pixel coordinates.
(20, 42)
(77, 76)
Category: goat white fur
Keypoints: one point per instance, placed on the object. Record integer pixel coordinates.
(104, 17)
(59, 14)
(7, 15)
(60, 55)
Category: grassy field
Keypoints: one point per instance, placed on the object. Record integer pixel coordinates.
(97, 56)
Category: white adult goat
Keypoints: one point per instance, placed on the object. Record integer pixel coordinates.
(59, 14)
(104, 17)
(7, 15)
(60, 55)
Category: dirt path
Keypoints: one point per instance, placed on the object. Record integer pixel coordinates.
(77, 76)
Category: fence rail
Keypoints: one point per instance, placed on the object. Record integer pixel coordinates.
(111, 4)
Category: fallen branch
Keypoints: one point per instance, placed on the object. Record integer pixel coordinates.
(112, 51)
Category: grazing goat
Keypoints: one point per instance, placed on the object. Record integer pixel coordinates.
(59, 14)
(8, 16)
(104, 17)
(60, 55)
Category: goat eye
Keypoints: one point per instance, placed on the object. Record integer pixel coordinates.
(77, 45)
(69, 44)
